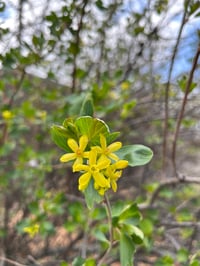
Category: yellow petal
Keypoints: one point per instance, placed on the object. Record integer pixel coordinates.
(84, 181)
(100, 180)
(72, 144)
(86, 154)
(83, 142)
(103, 141)
(92, 157)
(101, 191)
(80, 167)
(114, 146)
(113, 156)
(114, 186)
(121, 164)
(79, 160)
(97, 148)
(67, 157)
(103, 162)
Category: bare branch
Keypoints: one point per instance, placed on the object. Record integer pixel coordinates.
(167, 89)
(182, 110)
(11, 261)
(170, 182)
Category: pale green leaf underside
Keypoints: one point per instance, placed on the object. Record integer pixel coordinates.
(135, 154)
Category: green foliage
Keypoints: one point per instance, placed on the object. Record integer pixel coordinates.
(126, 250)
(91, 195)
(127, 217)
(104, 55)
(182, 82)
(136, 154)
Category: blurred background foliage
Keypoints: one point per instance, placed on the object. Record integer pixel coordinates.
(134, 59)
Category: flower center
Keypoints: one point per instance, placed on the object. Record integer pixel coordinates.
(78, 152)
(106, 151)
(94, 168)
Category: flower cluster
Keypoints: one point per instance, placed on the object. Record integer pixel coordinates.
(7, 115)
(97, 162)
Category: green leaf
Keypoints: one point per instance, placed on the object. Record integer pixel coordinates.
(46, 228)
(137, 235)
(130, 215)
(147, 226)
(2, 6)
(135, 154)
(195, 263)
(101, 236)
(72, 131)
(91, 195)
(182, 255)
(91, 127)
(87, 107)
(78, 261)
(165, 261)
(111, 137)
(73, 48)
(134, 232)
(138, 30)
(60, 135)
(182, 82)
(193, 7)
(34, 208)
(127, 249)
(99, 4)
(90, 262)
(63, 263)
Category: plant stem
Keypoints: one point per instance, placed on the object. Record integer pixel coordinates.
(109, 214)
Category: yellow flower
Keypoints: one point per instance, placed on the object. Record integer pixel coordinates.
(93, 169)
(7, 115)
(32, 230)
(125, 85)
(101, 190)
(107, 151)
(113, 173)
(78, 151)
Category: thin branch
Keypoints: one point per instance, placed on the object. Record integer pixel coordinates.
(9, 105)
(17, 88)
(108, 208)
(182, 110)
(11, 261)
(167, 89)
(58, 250)
(170, 182)
(80, 26)
(180, 224)
(173, 240)
(20, 18)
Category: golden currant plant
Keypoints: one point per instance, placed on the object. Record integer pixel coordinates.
(92, 151)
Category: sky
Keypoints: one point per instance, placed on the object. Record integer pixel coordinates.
(168, 27)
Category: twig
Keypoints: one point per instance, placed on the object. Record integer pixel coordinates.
(167, 89)
(182, 110)
(58, 250)
(11, 261)
(9, 105)
(20, 19)
(17, 88)
(180, 224)
(173, 240)
(108, 208)
(77, 40)
(170, 182)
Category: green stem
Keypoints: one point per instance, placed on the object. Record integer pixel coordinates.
(109, 214)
